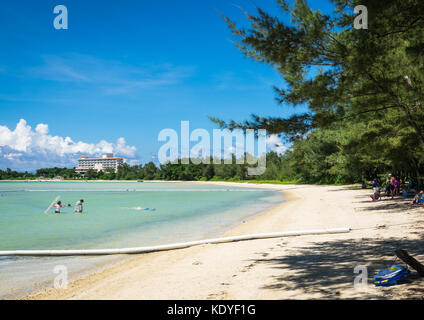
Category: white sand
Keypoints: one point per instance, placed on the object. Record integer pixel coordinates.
(302, 267)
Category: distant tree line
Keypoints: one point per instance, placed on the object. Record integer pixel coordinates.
(49, 173)
(318, 159)
(194, 170)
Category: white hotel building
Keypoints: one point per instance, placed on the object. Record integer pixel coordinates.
(99, 164)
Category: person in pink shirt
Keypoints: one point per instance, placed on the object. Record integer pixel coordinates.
(57, 207)
(396, 185)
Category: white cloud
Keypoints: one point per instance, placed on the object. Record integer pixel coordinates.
(12, 156)
(111, 77)
(134, 162)
(275, 144)
(40, 148)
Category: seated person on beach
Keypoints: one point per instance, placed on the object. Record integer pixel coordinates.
(391, 186)
(57, 207)
(376, 189)
(78, 206)
(419, 197)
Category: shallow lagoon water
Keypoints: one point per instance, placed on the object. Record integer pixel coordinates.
(114, 217)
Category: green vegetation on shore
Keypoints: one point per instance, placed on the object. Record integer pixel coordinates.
(275, 171)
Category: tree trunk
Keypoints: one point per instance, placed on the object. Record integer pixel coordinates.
(410, 261)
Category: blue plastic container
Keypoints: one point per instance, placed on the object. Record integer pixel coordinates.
(390, 276)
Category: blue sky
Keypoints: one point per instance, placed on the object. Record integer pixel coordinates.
(124, 69)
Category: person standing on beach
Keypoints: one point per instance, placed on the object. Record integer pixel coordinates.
(397, 185)
(78, 206)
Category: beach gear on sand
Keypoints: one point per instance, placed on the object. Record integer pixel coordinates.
(390, 276)
(408, 194)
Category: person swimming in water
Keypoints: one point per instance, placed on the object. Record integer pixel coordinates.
(57, 207)
(78, 206)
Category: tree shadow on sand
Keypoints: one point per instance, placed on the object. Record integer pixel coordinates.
(395, 205)
(325, 268)
(344, 188)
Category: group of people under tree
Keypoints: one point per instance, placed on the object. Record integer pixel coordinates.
(393, 187)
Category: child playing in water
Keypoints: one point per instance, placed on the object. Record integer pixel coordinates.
(57, 207)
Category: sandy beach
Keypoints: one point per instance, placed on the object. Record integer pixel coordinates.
(300, 267)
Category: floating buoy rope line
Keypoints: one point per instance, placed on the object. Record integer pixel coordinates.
(71, 252)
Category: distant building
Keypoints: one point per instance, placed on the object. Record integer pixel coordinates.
(99, 164)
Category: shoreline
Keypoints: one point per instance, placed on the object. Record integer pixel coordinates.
(248, 182)
(300, 267)
(242, 227)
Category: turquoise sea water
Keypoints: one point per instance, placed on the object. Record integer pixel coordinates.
(113, 217)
